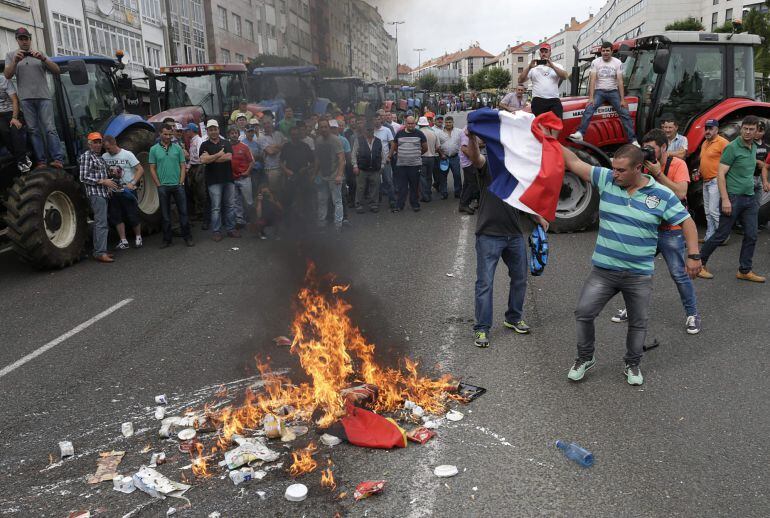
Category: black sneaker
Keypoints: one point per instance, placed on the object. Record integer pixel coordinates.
(520, 327)
(620, 317)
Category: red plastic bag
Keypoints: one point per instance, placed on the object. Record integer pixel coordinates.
(370, 430)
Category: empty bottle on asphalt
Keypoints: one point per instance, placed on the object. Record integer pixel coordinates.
(574, 452)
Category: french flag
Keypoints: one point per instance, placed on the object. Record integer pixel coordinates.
(526, 163)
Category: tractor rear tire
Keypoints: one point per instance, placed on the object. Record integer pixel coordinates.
(139, 141)
(47, 218)
(578, 207)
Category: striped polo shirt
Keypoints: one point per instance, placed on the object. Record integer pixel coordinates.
(628, 225)
(410, 147)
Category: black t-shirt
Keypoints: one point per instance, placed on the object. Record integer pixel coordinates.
(762, 148)
(217, 172)
(297, 155)
(494, 217)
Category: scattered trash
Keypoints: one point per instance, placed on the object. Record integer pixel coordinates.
(188, 446)
(445, 471)
(431, 424)
(475, 488)
(160, 413)
(157, 459)
(361, 395)
(186, 434)
(239, 476)
(469, 392)
(127, 429)
(262, 495)
(418, 411)
(454, 415)
(161, 400)
(79, 514)
(450, 275)
(235, 249)
(171, 511)
(296, 493)
(420, 435)
(299, 431)
(575, 453)
(66, 449)
(215, 514)
(123, 484)
(273, 426)
(330, 440)
(106, 467)
(285, 410)
(158, 485)
(248, 451)
(368, 488)
(288, 435)
(282, 340)
(370, 430)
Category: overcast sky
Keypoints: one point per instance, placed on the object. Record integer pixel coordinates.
(449, 25)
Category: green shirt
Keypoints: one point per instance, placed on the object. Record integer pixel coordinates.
(285, 125)
(168, 163)
(742, 161)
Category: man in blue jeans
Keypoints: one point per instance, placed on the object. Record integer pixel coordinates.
(671, 172)
(736, 190)
(605, 84)
(30, 68)
(217, 154)
(167, 169)
(93, 176)
(498, 235)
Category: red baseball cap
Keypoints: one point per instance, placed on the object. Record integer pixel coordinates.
(22, 31)
(94, 135)
(545, 46)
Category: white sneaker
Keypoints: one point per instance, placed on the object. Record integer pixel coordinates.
(577, 136)
(635, 143)
(138, 243)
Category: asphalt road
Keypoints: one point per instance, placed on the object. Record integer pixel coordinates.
(690, 441)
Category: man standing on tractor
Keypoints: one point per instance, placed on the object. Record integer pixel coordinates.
(736, 189)
(605, 84)
(99, 187)
(677, 144)
(710, 153)
(545, 76)
(30, 67)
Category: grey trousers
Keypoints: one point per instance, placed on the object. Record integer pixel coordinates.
(600, 286)
(368, 188)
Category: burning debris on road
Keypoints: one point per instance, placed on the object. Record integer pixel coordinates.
(347, 395)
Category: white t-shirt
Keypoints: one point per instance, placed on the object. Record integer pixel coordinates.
(385, 135)
(606, 73)
(125, 160)
(545, 81)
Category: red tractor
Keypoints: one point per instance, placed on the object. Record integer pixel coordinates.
(692, 76)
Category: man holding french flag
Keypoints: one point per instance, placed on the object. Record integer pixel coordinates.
(526, 167)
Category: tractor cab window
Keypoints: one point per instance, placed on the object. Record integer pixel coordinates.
(232, 91)
(693, 82)
(92, 105)
(743, 66)
(198, 90)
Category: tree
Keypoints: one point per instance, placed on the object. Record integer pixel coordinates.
(498, 78)
(428, 82)
(478, 81)
(687, 24)
(756, 22)
(726, 28)
(459, 87)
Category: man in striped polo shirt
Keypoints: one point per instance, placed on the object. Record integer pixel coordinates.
(631, 208)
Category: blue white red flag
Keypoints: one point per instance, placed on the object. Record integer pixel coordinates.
(525, 162)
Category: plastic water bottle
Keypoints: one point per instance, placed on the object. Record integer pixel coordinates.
(574, 452)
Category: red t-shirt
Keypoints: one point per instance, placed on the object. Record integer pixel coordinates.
(241, 159)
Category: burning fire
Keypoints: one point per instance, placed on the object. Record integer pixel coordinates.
(303, 461)
(327, 477)
(199, 462)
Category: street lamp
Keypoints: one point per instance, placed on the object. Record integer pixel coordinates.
(419, 56)
(396, 24)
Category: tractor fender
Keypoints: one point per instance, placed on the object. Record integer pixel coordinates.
(321, 105)
(724, 109)
(600, 155)
(123, 121)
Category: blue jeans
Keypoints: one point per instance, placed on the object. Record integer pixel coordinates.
(38, 114)
(245, 210)
(100, 227)
(387, 183)
(612, 97)
(165, 193)
(745, 210)
(426, 177)
(489, 250)
(711, 206)
(222, 202)
(326, 188)
(671, 244)
(600, 286)
(457, 177)
(407, 180)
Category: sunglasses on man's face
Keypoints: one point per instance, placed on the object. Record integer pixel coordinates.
(22, 38)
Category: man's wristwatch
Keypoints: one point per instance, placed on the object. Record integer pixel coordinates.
(694, 257)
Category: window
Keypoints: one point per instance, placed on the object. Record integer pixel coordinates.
(221, 17)
(714, 20)
(728, 15)
(154, 53)
(225, 55)
(106, 39)
(743, 65)
(69, 35)
(131, 5)
(521, 69)
(237, 29)
(249, 30)
(151, 12)
(521, 59)
(239, 58)
(716, 2)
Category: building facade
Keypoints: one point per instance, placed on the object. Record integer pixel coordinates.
(21, 13)
(450, 68)
(515, 59)
(562, 48)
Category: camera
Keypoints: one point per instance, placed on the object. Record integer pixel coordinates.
(542, 61)
(649, 154)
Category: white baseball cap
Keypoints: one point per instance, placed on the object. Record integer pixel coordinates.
(212, 122)
(333, 123)
(423, 121)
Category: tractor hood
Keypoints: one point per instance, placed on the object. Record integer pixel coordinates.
(183, 115)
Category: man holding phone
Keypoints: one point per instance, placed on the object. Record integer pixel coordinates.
(545, 76)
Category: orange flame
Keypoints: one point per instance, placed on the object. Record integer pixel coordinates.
(303, 460)
(200, 463)
(327, 477)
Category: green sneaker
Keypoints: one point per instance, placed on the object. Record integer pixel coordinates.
(481, 339)
(633, 375)
(520, 327)
(580, 367)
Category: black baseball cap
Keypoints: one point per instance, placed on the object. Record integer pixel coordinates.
(606, 45)
(22, 31)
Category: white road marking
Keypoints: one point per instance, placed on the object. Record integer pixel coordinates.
(69, 334)
(423, 493)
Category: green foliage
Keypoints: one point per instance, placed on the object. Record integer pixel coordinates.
(428, 82)
(758, 23)
(726, 28)
(399, 82)
(459, 87)
(498, 78)
(688, 24)
(478, 80)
